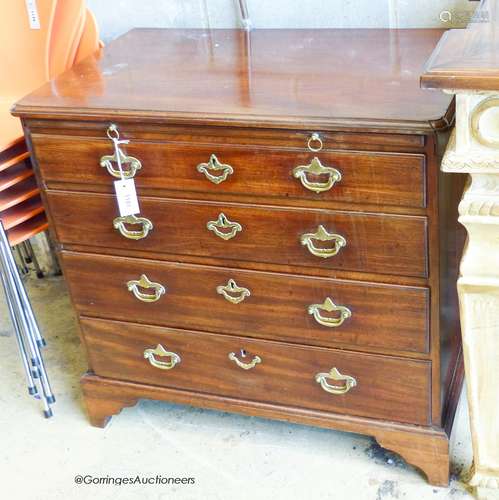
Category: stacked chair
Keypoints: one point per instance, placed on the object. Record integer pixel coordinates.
(34, 47)
(21, 209)
(38, 41)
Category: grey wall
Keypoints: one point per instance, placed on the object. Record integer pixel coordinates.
(117, 16)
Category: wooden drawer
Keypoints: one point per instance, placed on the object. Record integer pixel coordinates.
(386, 388)
(366, 177)
(383, 317)
(385, 244)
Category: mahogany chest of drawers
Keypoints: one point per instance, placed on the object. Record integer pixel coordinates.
(295, 253)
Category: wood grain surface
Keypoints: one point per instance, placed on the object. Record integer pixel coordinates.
(387, 244)
(283, 78)
(384, 317)
(366, 177)
(388, 388)
(255, 107)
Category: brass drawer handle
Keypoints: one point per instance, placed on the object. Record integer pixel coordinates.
(213, 167)
(162, 352)
(316, 168)
(230, 290)
(120, 224)
(120, 158)
(221, 224)
(329, 306)
(348, 381)
(144, 282)
(133, 165)
(245, 366)
(321, 234)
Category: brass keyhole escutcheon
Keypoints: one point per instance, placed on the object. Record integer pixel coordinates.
(223, 227)
(242, 364)
(215, 171)
(232, 292)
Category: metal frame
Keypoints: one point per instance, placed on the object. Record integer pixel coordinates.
(27, 332)
(245, 19)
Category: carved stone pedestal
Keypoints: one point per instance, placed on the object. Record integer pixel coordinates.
(474, 148)
(466, 62)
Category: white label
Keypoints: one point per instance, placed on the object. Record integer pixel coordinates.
(126, 195)
(34, 20)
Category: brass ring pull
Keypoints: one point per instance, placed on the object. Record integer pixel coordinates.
(245, 366)
(134, 286)
(329, 306)
(321, 234)
(316, 168)
(120, 158)
(222, 224)
(230, 290)
(348, 381)
(214, 167)
(162, 352)
(119, 223)
(315, 137)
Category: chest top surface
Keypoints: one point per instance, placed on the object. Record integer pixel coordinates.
(294, 78)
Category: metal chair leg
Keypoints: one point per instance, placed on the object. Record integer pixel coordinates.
(21, 263)
(53, 255)
(27, 254)
(32, 390)
(31, 251)
(27, 331)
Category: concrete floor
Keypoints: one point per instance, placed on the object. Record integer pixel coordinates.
(229, 456)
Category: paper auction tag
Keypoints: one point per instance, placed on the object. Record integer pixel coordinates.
(126, 195)
(33, 18)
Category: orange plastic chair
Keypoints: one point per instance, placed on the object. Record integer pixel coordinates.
(24, 57)
(89, 42)
(67, 28)
(67, 33)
